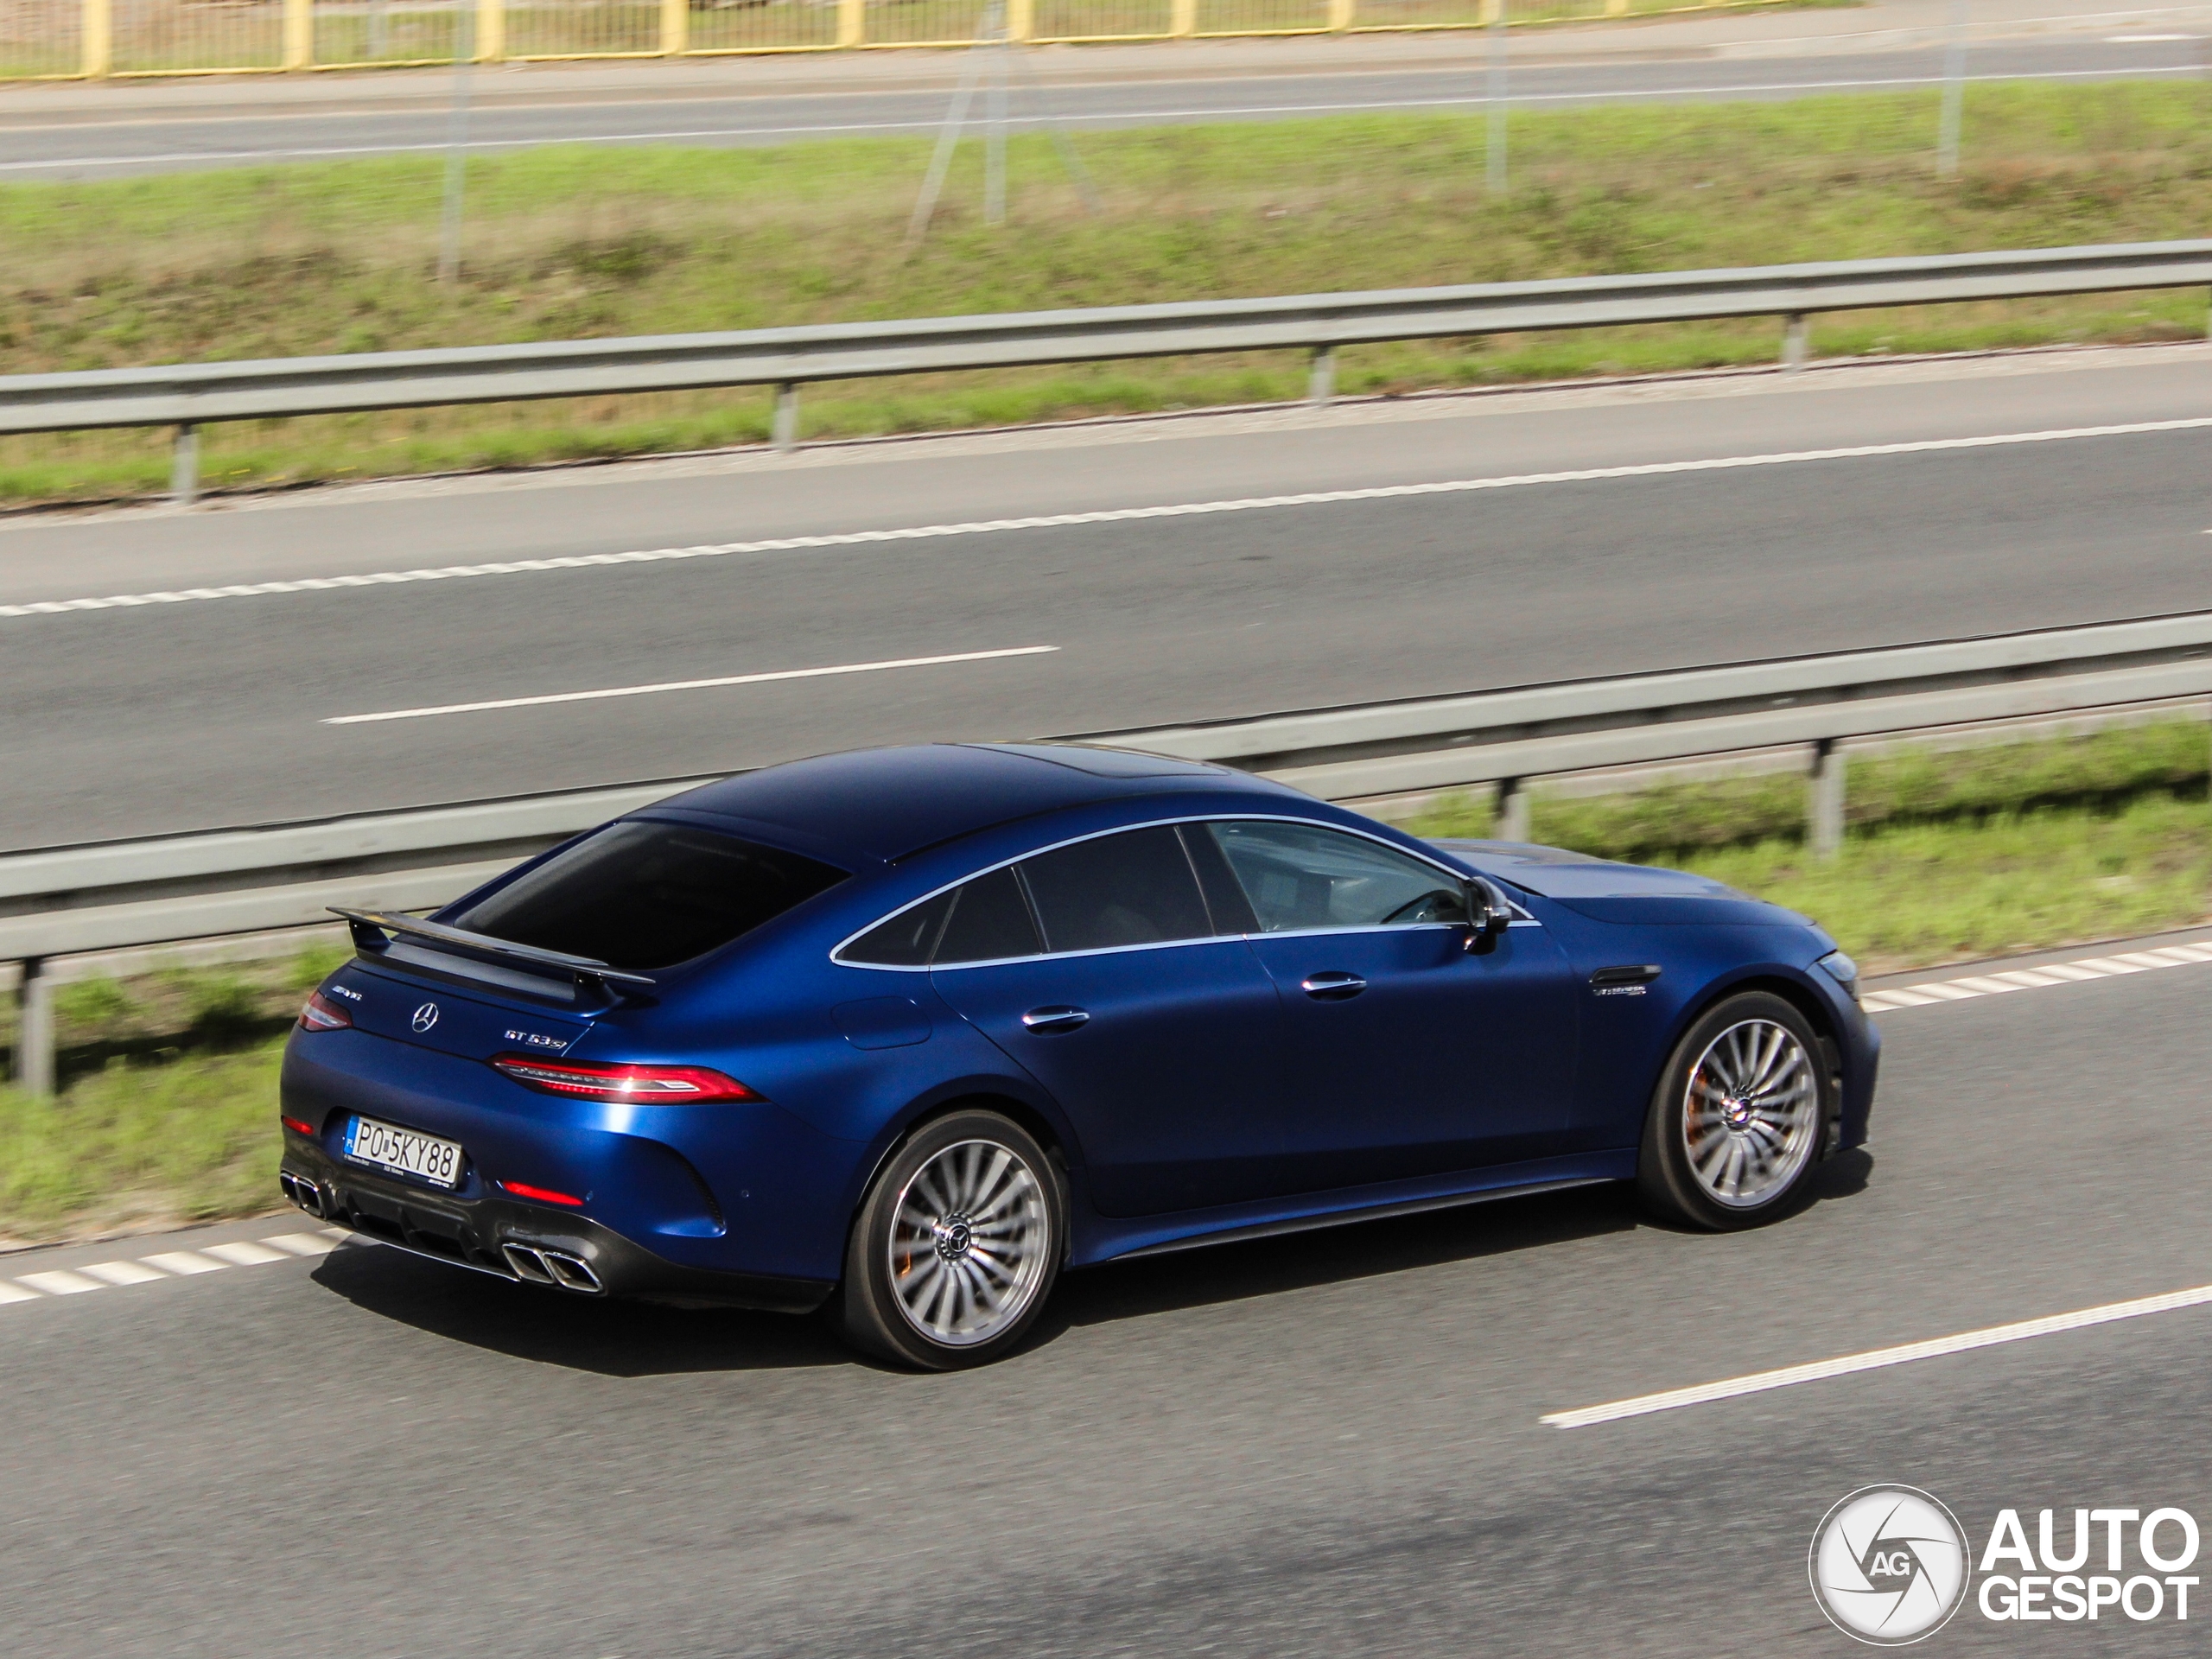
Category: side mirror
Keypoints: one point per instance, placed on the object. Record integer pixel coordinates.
(1489, 914)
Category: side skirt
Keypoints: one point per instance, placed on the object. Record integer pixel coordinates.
(1238, 1233)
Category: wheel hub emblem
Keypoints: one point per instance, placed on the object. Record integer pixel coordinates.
(953, 1237)
(1738, 1111)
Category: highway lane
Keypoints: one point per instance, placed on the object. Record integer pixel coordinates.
(1325, 1445)
(147, 140)
(162, 717)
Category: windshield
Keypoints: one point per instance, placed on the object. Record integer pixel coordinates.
(640, 895)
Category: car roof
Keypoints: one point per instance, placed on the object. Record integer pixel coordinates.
(889, 803)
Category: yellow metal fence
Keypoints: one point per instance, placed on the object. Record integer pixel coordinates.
(93, 39)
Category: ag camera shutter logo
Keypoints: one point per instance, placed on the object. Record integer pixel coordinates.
(1888, 1565)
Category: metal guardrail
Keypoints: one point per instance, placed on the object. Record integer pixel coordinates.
(78, 899)
(186, 396)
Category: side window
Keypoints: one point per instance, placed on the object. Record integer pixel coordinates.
(991, 921)
(1299, 875)
(906, 940)
(1133, 888)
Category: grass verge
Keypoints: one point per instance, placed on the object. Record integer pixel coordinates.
(170, 1113)
(575, 241)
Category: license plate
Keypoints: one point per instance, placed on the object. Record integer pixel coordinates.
(368, 1141)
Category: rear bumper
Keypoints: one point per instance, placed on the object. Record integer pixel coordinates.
(476, 1233)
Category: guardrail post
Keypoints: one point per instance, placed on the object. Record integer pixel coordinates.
(99, 43)
(783, 431)
(1020, 19)
(675, 28)
(1341, 15)
(1492, 12)
(852, 21)
(1321, 377)
(1616, 8)
(1824, 826)
(490, 31)
(1511, 820)
(299, 34)
(1183, 19)
(35, 1031)
(184, 467)
(1795, 338)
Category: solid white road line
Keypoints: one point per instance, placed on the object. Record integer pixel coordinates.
(1090, 118)
(691, 685)
(1106, 516)
(1758, 1381)
(2018, 979)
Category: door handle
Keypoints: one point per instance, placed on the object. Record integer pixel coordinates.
(1331, 986)
(1046, 1022)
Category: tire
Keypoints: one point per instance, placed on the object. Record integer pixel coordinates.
(1738, 1116)
(957, 1245)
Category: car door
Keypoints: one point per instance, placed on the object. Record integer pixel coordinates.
(1412, 1056)
(1159, 1038)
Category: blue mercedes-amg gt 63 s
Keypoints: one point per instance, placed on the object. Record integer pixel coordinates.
(906, 1032)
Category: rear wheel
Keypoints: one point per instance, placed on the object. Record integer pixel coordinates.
(1736, 1122)
(957, 1245)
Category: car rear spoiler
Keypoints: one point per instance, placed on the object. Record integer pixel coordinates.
(375, 932)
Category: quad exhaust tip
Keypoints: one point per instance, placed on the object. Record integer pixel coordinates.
(304, 1194)
(535, 1265)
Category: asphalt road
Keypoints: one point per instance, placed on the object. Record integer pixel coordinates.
(154, 139)
(1722, 526)
(1328, 1444)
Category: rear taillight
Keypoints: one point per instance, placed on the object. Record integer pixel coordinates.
(320, 1013)
(296, 1125)
(673, 1085)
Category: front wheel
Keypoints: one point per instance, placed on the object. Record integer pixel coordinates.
(1737, 1119)
(957, 1245)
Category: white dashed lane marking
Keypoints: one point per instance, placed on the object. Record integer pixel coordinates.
(168, 1264)
(2023, 979)
(1107, 516)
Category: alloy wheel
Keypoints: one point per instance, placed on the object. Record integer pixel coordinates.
(1751, 1113)
(969, 1243)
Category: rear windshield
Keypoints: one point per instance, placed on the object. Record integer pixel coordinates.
(644, 896)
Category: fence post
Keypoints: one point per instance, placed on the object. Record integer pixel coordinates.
(1794, 340)
(675, 28)
(852, 21)
(1183, 19)
(1492, 11)
(490, 31)
(99, 44)
(184, 467)
(1510, 822)
(1824, 826)
(1020, 19)
(1341, 15)
(1616, 8)
(1321, 377)
(299, 34)
(35, 1031)
(783, 431)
